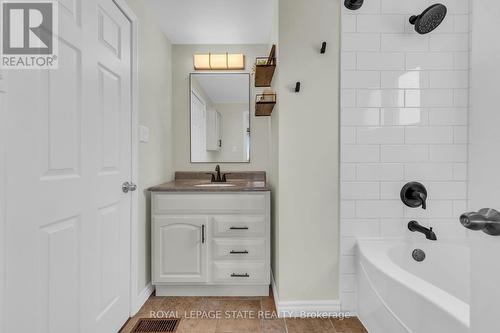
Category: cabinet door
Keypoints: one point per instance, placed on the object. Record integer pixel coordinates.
(179, 249)
(219, 131)
(212, 130)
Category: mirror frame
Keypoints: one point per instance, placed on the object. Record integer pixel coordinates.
(249, 115)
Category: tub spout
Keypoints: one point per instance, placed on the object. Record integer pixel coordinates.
(414, 226)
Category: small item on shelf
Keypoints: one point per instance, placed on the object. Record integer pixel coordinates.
(264, 104)
(261, 61)
(264, 69)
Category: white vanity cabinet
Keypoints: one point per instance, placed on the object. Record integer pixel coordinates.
(179, 246)
(211, 244)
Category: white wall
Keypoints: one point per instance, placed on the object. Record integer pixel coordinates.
(484, 189)
(305, 175)
(155, 112)
(274, 150)
(182, 67)
(404, 118)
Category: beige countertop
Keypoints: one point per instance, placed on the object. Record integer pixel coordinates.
(200, 182)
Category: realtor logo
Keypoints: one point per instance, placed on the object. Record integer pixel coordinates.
(29, 35)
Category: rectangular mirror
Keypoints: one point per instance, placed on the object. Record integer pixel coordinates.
(220, 117)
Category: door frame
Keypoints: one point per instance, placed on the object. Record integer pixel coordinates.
(3, 220)
(136, 299)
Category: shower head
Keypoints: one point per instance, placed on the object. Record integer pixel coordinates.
(353, 4)
(430, 19)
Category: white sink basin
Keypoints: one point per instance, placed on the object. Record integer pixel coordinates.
(216, 185)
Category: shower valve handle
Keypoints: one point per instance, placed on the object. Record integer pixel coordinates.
(414, 195)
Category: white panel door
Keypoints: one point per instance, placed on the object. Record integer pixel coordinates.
(179, 245)
(198, 129)
(68, 150)
(112, 68)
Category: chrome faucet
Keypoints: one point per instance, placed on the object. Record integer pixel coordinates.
(486, 220)
(414, 226)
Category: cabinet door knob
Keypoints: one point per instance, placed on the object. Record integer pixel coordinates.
(203, 234)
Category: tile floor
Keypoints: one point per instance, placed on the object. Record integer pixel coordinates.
(236, 315)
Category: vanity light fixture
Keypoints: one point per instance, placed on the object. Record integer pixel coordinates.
(224, 61)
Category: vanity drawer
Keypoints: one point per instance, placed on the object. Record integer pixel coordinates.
(209, 203)
(240, 273)
(240, 225)
(239, 249)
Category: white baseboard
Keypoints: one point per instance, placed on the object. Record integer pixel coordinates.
(301, 309)
(141, 298)
(297, 309)
(211, 290)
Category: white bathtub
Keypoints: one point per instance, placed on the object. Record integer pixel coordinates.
(398, 294)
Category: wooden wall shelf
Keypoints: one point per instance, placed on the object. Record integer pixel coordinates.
(264, 105)
(264, 69)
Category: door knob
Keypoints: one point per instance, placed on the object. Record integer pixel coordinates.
(128, 187)
(486, 220)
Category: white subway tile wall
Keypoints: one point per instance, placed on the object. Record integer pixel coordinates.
(404, 117)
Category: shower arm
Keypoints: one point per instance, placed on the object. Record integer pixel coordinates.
(486, 220)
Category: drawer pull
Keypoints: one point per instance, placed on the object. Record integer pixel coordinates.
(246, 275)
(239, 252)
(238, 228)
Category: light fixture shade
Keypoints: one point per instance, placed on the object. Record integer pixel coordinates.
(201, 61)
(218, 61)
(236, 61)
(223, 61)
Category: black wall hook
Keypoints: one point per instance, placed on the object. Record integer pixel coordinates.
(323, 48)
(297, 87)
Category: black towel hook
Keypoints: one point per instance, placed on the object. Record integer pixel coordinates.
(323, 48)
(297, 87)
